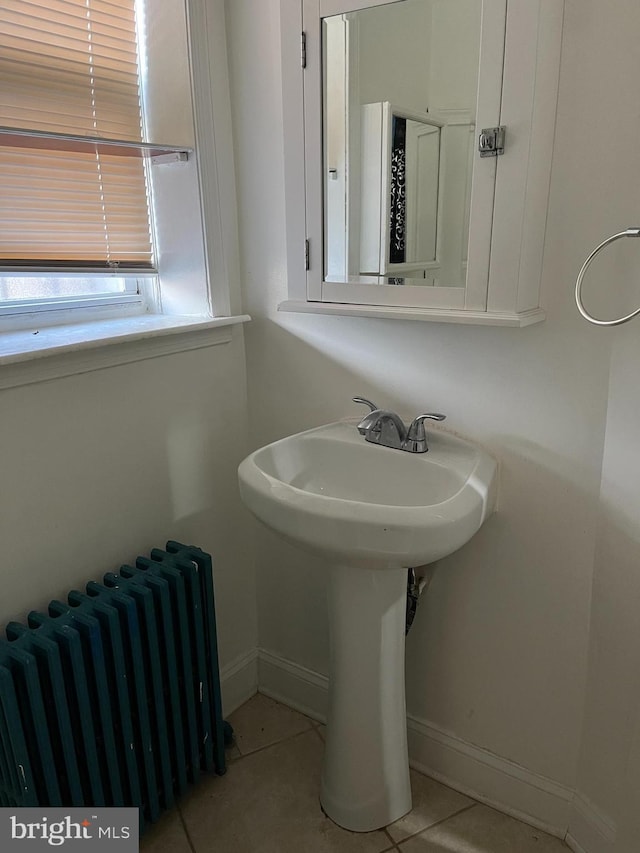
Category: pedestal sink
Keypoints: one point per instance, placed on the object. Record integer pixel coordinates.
(373, 512)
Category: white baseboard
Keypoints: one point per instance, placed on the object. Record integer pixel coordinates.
(470, 769)
(296, 686)
(488, 777)
(590, 830)
(239, 681)
(572, 844)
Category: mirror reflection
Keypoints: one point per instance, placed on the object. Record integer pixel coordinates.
(400, 84)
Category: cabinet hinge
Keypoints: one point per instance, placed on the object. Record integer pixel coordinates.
(303, 49)
(491, 141)
(306, 254)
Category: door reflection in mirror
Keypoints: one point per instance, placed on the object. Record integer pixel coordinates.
(399, 92)
(400, 197)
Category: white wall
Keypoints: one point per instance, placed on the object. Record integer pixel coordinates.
(420, 54)
(498, 652)
(454, 54)
(394, 53)
(602, 67)
(100, 467)
(609, 777)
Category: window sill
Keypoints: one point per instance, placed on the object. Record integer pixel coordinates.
(50, 353)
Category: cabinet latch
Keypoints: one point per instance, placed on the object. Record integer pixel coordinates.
(491, 141)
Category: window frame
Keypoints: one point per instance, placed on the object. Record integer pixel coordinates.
(214, 293)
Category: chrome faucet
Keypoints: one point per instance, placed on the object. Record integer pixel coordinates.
(387, 428)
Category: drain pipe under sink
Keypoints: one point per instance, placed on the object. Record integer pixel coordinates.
(416, 586)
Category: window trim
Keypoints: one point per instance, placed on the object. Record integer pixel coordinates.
(216, 162)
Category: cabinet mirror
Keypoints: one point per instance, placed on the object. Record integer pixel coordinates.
(399, 213)
(400, 87)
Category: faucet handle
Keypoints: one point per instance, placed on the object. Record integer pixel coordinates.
(368, 425)
(416, 435)
(416, 430)
(372, 406)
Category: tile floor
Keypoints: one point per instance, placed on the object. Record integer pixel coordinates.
(268, 803)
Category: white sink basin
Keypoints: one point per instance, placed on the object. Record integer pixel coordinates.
(368, 507)
(331, 491)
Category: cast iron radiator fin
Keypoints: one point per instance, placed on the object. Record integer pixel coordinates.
(113, 698)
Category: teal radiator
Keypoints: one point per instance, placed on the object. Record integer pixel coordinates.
(112, 698)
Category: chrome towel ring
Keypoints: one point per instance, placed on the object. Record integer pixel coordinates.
(630, 232)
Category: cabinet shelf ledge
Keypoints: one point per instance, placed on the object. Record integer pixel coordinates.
(432, 315)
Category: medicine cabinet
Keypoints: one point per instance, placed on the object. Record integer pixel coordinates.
(418, 143)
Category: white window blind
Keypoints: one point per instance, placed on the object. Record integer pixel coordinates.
(71, 67)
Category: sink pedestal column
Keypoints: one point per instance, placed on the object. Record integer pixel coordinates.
(365, 781)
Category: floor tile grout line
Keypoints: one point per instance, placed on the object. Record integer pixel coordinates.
(394, 845)
(184, 826)
(437, 823)
(275, 743)
(388, 834)
(316, 728)
(313, 725)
